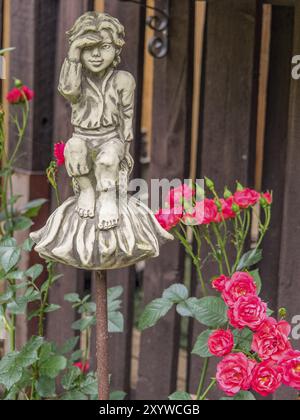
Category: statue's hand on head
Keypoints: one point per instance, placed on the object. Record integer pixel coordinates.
(85, 41)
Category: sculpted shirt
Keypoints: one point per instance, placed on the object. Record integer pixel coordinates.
(95, 105)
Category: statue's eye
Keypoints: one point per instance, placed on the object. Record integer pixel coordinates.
(106, 46)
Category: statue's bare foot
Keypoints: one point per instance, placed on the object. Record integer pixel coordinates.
(109, 213)
(86, 203)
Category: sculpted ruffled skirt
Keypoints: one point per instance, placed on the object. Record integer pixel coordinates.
(69, 239)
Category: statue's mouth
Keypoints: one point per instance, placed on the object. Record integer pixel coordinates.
(96, 62)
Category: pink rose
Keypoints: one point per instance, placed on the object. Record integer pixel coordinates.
(169, 218)
(248, 311)
(221, 343)
(240, 284)
(271, 339)
(246, 198)
(204, 213)
(227, 212)
(290, 363)
(219, 283)
(267, 378)
(234, 373)
(59, 149)
(177, 196)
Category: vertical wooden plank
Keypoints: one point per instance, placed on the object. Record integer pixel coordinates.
(229, 108)
(172, 105)
(276, 142)
(132, 17)
(289, 295)
(200, 17)
(69, 11)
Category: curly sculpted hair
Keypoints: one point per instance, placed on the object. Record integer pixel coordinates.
(97, 22)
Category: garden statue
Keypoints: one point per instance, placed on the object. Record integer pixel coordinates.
(100, 227)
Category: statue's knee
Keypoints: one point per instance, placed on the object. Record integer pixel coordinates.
(76, 156)
(108, 160)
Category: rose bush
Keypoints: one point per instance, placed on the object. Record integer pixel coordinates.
(255, 348)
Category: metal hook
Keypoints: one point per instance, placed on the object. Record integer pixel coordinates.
(158, 45)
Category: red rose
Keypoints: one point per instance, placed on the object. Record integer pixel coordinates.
(18, 95)
(267, 198)
(219, 283)
(234, 373)
(240, 284)
(248, 311)
(290, 363)
(177, 196)
(271, 339)
(59, 149)
(221, 343)
(83, 367)
(169, 218)
(267, 378)
(14, 96)
(246, 198)
(28, 93)
(227, 212)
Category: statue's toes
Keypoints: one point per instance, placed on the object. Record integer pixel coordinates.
(91, 214)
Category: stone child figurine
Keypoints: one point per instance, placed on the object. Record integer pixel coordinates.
(101, 227)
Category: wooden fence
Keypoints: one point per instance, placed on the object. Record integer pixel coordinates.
(221, 104)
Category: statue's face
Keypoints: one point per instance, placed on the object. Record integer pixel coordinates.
(99, 57)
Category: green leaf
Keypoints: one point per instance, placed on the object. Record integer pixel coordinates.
(183, 309)
(153, 312)
(35, 271)
(257, 279)
(117, 396)
(243, 339)
(249, 259)
(89, 386)
(210, 311)
(32, 208)
(115, 322)
(114, 293)
(176, 293)
(72, 297)
(77, 355)
(241, 396)
(45, 387)
(16, 275)
(28, 354)
(53, 366)
(74, 396)
(10, 370)
(69, 379)
(17, 307)
(10, 254)
(180, 396)
(22, 223)
(201, 345)
(84, 323)
(12, 365)
(28, 245)
(89, 307)
(69, 345)
(6, 296)
(52, 308)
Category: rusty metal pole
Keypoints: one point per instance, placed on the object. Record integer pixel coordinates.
(102, 336)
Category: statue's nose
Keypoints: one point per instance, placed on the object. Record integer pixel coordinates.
(96, 52)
